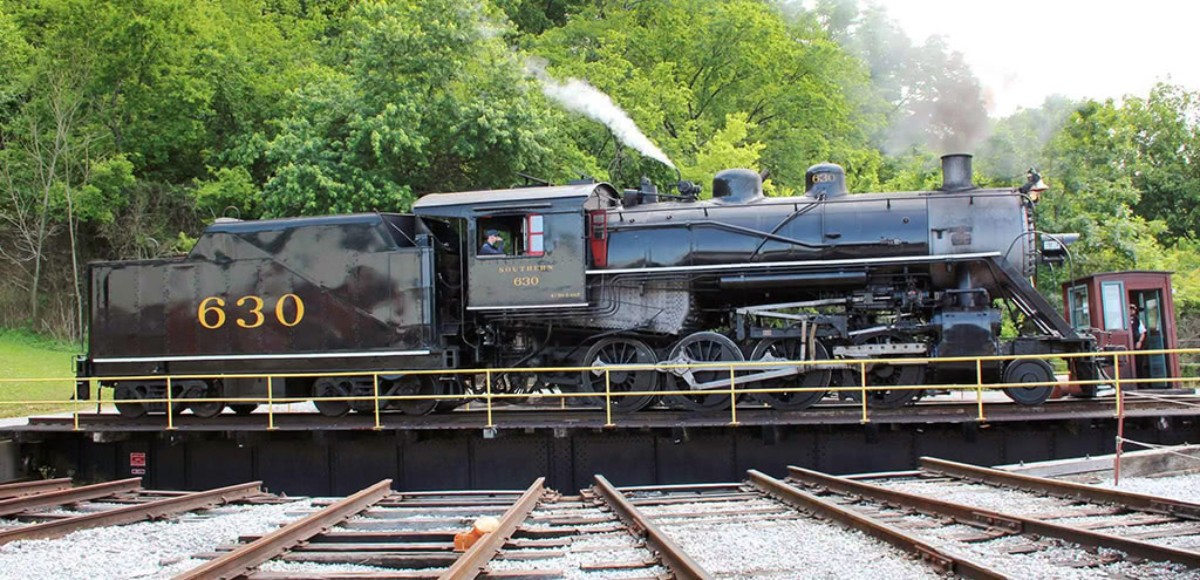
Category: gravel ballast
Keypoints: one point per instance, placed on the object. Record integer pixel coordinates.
(1180, 487)
(762, 546)
(142, 550)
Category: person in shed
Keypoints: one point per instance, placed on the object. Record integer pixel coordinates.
(1137, 334)
(493, 245)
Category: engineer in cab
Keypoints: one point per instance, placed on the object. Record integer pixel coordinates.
(493, 245)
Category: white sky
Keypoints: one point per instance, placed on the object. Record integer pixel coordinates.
(1025, 50)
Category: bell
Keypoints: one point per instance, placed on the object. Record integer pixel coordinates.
(1035, 192)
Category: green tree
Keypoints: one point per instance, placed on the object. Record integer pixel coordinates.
(14, 56)
(536, 16)
(1093, 191)
(682, 69)
(1018, 142)
(421, 97)
(1167, 166)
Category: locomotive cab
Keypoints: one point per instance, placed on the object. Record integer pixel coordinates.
(526, 248)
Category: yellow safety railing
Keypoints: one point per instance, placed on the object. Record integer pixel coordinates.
(489, 397)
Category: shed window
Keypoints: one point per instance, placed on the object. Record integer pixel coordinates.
(1081, 317)
(1112, 297)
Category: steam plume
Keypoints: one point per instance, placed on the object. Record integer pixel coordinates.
(580, 97)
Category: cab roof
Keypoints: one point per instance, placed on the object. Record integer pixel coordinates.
(553, 197)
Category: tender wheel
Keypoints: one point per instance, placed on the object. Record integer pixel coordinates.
(702, 347)
(417, 385)
(332, 387)
(125, 392)
(886, 375)
(621, 351)
(206, 409)
(1029, 371)
(243, 409)
(790, 349)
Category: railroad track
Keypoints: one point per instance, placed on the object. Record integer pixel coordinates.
(762, 528)
(1023, 526)
(949, 518)
(51, 511)
(1137, 516)
(377, 533)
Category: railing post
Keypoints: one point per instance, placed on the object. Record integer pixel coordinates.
(733, 397)
(375, 380)
(979, 386)
(607, 399)
(862, 373)
(75, 408)
(488, 397)
(1120, 421)
(270, 404)
(1117, 385)
(170, 408)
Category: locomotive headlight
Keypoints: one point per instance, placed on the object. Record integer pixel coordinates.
(1054, 246)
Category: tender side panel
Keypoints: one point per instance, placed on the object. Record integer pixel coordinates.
(258, 307)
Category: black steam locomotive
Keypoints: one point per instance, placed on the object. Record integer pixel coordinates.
(586, 275)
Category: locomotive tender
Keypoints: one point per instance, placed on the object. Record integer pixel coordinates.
(590, 277)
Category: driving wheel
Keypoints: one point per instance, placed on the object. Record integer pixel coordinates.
(702, 347)
(618, 351)
(887, 375)
(809, 378)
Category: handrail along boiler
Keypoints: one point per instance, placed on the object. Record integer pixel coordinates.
(592, 277)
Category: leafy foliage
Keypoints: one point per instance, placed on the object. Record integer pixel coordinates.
(1167, 164)
(423, 97)
(682, 69)
(126, 125)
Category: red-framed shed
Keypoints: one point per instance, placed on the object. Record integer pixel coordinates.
(1101, 302)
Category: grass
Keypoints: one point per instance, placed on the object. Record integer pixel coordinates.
(23, 356)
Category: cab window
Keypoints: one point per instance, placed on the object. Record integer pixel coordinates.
(518, 235)
(535, 235)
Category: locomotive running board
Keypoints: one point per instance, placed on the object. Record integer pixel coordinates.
(803, 264)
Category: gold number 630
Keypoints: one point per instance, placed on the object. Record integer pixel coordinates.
(211, 312)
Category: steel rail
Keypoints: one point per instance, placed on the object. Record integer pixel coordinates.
(246, 558)
(1014, 523)
(21, 488)
(1064, 489)
(930, 554)
(16, 505)
(674, 558)
(472, 562)
(134, 513)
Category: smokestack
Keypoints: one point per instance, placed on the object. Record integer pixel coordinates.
(956, 173)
